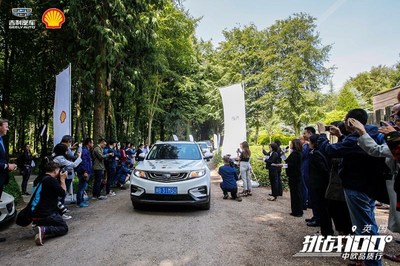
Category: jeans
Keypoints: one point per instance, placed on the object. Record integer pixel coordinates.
(305, 190)
(361, 210)
(54, 225)
(82, 186)
(98, 176)
(245, 174)
(111, 175)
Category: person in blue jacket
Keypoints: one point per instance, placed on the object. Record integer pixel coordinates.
(357, 171)
(84, 172)
(229, 178)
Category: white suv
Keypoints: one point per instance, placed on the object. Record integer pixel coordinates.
(173, 172)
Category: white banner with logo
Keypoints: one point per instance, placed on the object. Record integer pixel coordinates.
(62, 105)
(234, 118)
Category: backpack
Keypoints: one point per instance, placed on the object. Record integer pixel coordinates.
(24, 217)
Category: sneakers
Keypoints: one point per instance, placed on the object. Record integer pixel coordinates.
(39, 235)
(102, 197)
(83, 204)
(66, 216)
(238, 199)
(111, 194)
(226, 196)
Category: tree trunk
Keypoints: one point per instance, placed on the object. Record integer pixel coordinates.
(99, 95)
(137, 114)
(78, 118)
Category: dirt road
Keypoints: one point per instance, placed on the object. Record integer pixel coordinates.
(252, 232)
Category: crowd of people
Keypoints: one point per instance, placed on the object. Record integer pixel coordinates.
(108, 163)
(340, 182)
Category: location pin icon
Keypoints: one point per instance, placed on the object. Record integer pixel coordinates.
(354, 228)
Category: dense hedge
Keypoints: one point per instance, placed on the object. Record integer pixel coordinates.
(12, 188)
(265, 139)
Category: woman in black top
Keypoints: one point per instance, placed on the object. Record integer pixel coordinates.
(27, 168)
(273, 163)
(293, 171)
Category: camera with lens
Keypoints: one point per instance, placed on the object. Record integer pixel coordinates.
(63, 169)
(61, 208)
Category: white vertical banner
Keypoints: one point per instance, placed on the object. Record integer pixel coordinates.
(191, 138)
(216, 142)
(234, 118)
(62, 105)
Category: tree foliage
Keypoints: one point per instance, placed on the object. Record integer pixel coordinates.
(139, 73)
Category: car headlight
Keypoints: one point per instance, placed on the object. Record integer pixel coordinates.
(197, 173)
(139, 173)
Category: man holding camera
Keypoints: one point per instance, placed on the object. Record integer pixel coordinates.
(49, 223)
(5, 167)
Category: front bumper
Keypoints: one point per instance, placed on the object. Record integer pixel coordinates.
(189, 192)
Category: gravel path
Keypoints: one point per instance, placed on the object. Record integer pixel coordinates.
(252, 232)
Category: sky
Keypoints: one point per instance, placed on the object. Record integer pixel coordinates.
(363, 33)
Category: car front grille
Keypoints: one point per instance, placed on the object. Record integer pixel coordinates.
(166, 177)
(159, 197)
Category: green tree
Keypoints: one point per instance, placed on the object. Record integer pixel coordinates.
(294, 68)
(347, 99)
(371, 82)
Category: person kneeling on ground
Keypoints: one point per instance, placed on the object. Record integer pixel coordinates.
(46, 217)
(229, 178)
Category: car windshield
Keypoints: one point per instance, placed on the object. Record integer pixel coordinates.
(175, 151)
(203, 145)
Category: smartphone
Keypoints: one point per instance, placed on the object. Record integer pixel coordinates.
(383, 123)
(327, 128)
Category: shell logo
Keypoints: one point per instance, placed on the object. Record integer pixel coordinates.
(63, 116)
(53, 18)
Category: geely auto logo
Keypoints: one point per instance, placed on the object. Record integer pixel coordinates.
(167, 175)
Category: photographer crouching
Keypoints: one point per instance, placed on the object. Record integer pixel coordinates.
(49, 223)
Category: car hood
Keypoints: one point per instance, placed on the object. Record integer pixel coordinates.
(171, 165)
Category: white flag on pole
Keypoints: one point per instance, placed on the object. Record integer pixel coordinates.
(234, 118)
(62, 105)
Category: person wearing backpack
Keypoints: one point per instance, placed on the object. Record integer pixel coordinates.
(357, 171)
(45, 216)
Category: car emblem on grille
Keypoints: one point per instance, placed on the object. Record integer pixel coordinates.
(167, 175)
